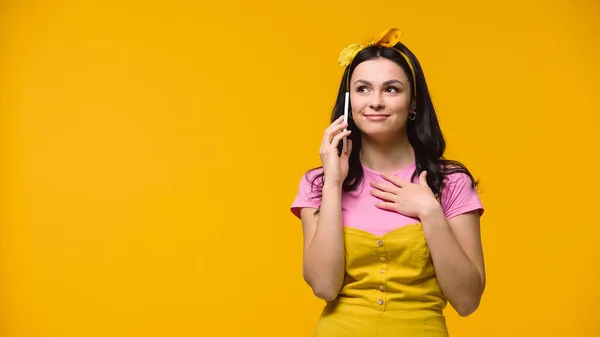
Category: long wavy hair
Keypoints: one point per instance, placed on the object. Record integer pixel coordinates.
(424, 133)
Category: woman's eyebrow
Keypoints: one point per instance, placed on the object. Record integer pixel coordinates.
(388, 82)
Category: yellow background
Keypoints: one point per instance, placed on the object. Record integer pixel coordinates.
(150, 152)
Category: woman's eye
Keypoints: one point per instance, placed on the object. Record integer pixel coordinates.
(388, 89)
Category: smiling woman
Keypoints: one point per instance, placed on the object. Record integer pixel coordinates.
(379, 216)
(380, 94)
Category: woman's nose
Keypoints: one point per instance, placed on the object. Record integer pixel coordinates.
(377, 102)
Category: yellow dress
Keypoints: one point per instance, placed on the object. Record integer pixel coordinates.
(390, 288)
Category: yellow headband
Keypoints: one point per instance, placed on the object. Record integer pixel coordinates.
(388, 39)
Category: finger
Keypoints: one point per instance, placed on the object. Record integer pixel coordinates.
(336, 139)
(385, 187)
(388, 206)
(346, 154)
(385, 196)
(394, 180)
(332, 130)
(349, 149)
(332, 125)
(332, 146)
(338, 121)
(423, 178)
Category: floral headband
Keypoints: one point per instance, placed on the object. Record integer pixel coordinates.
(388, 39)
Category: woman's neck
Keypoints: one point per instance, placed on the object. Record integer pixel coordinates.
(386, 156)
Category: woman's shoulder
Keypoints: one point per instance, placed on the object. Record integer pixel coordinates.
(459, 177)
(312, 178)
(456, 172)
(459, 192)
(313, 172)
(308, 193)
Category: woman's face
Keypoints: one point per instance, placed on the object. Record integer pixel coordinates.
(380, 98)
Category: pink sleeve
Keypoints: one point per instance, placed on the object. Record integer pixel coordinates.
(458, 197)
(307, 193)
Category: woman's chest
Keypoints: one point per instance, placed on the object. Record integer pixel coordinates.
(359, 211)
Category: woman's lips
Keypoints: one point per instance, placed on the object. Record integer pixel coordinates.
(376, 117)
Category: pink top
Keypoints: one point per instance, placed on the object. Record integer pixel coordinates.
(359, 210)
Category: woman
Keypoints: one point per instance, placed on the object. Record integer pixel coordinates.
(391, 227)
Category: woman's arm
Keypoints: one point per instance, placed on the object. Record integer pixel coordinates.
(455, 244)
(457, 255)
(323, 263)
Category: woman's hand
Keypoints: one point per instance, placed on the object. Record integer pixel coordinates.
(404, 197)
(335, 166)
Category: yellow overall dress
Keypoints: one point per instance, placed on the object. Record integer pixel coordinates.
(390, 288)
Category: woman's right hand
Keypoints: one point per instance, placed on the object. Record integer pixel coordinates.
(335, 166)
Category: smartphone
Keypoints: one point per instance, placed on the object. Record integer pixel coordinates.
(344, 144)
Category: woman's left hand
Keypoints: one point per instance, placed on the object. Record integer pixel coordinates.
(404, 197)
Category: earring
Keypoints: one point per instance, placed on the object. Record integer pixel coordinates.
(413, 115)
